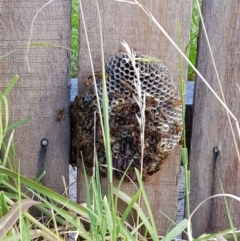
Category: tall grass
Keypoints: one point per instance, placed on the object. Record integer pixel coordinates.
(74, 37)
(194, 33)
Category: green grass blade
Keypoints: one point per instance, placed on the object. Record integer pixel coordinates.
(229, 214)
(172, 223)
(229, 236)
(124, 197)
(176, 230)
(55, 225)
(1, 127)
(213, 236)
(7, 54)
(105, 101)
(4, 116)
(19, 123)
(125, 232)
(11, 85)
(184, 155)
(115, 205)
(152, 229)
(136, 231)
(108, 217)
(3, 205)
(15, 236)
(24, 228)
(97, 209)
(40, 177)
(45, 44)
(6, 154)
(93, 217)
(130, 206)
(12, 157)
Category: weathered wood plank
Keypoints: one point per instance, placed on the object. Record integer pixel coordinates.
(40, 92)
(210, 123)
(127, 22)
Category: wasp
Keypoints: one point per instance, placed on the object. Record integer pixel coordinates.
(177, 103)
(178, 128)
(98, 76)
(126, 108)
(124, 82)
(132, 175)
(127, 148)
(89, 84)
(60, 113)
(151, 101)
(125, 163)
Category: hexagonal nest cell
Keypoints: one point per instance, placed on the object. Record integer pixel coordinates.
(163, 117)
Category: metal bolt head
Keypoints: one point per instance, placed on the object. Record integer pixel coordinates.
(44, 142)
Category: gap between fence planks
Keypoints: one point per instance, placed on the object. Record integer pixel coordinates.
(127, 22)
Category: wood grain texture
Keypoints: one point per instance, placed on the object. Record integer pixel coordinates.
(127, 22)
(210, 123)
(40, 92)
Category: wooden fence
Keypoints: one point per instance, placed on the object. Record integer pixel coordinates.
(46, 88)
(211, 126)
(43, 89)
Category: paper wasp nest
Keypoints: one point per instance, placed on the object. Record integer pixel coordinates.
(163, 117)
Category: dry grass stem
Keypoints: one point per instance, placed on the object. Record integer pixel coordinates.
(92, 69)
(94, 145)
(141, 102)
(31, 30)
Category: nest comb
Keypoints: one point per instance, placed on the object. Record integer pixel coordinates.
(163, 117)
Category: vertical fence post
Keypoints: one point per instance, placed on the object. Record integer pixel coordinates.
(42, 91)
(127, 22)
(213, 157)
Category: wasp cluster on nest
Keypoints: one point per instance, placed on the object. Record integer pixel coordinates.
(163, 117)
